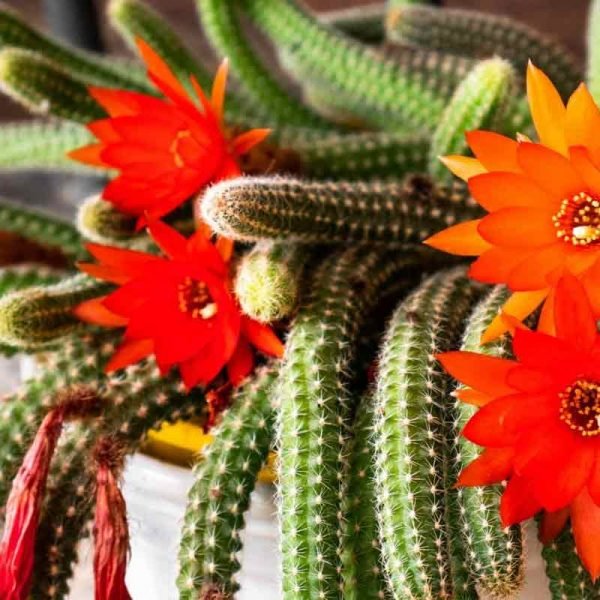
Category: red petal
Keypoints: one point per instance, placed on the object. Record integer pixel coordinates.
(518, 503)
(170, 241)
(129, 353)
(519, 227)
(486, 374)
(104, 273)
(128, 261)
(585, 520)
(241, 363)
(262, 337)
(246, 141)
(218, 89)
(94, 311)
(473, 397)
(89, 155)
(496, 264)
(552, 524)
(494, 465)
(486, 427)
(116, 102)
(594, 482)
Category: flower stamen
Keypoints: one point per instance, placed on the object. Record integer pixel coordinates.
(194, 299)
(580, 407)
(578, 220)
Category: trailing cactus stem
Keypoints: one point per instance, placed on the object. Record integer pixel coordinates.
(89, 67)
(479, 102)
(593, 49)
(44, 88)
(494, 553)
(412, 88)
(224, 478)
(361, 553)
(411, 454)
(315, 409)
(36, 317)
(285, 209)
(267, 282)
(99, 221)
(480, 35)
(364, 23)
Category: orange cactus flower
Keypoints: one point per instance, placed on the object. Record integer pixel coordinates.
(177, 307)
(539, 422)
(165, 149)
(543, 201)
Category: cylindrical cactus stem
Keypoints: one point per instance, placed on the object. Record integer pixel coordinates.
(224, 478)
(410, 449)
(480, 35)
(221, 23)
(138, 401)
(268, 279)
(412, 88)
(362, 572)
(494, 553)
(37, 317)
(362, 156)
(567, 578)
(479, 102)
(45, 88)
(99, 221)
(293, 210)
(314, 414)
(41, 229)
(593, 49)
(87, 66)
(41, 145)
(364, 23)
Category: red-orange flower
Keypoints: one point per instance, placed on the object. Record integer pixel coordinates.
(179, 308)
(543, 201)
(165, 149)
(539, 422)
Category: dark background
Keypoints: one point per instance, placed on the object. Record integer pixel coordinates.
(563, 20)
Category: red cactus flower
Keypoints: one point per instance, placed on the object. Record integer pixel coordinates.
(179, 308)
(539, 422)
(165, 149)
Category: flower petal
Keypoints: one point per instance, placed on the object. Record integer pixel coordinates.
(486, 426)
(547, 109)
(493, 466)
(518, 227)
(169, 240)
(585, 520)
(129, 353)
(93, 311)
(473, 397)
(594, 482)
(496, 152)
(262, 337)
(496, 264)
(462, 239)
(89, 155)
(246, 141)
(218, 89)
(241, 363)
(534, 273)
(464, 167)
(552, 524)
(583, 122)
(580, 158)
(518, 503)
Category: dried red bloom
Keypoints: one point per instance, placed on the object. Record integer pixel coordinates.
(111, 531)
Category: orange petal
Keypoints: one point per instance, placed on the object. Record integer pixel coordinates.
(495, 152)
(104, 272)
(244, 142)
(496, 264)
(241, 363)
(493, 466)
(537, 271)
(218, 89)
(481, 372)
(547, 109)
(93, 311)
(129, 353)
(585, 519)
(518, 227)
(582, 162)
(583, 122)
(552, 524)
(546, 320)
(116, 103)
(225, 247)
(463, 167)
(519, 305)
(462, 239)
(262, 337)
(89, 155)
(473, 397)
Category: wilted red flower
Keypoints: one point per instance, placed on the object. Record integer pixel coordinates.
(539, 422)
(165, 149)
(179, 308)
(111, 531)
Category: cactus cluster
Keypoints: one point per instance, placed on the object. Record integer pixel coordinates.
(328, 217)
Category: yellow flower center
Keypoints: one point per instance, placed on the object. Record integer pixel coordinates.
(580, 407)
(577, 221)
(195, 299)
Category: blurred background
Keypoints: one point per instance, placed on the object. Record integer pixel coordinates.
(563, 20)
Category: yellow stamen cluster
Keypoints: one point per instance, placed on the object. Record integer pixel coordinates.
(577, 221)
(195, 299)
(580, 407)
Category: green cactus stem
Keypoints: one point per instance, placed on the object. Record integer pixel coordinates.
(481, 35)
(220, 496)
(42, 146)
(41, 229)
(139, 400)
(361, 553)
(99, 221)
(285, 209)
(410, 89)
(221, 24)
(37, 317)
(268, 279)
(363, 23)
(494, 553)
(593, 49)
(410, 449)
(44, 88)
(479, 102)
(315, 410)
(567, 577)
